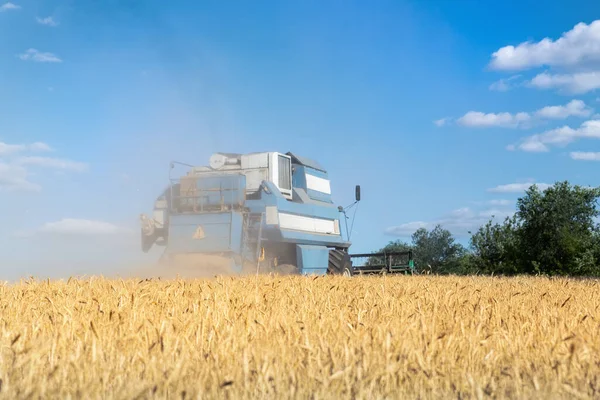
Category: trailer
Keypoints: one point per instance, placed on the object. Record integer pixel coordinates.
(399, 262)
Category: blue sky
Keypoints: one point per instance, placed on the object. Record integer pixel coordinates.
(422, 103)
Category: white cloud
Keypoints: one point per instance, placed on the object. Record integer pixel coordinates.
(48, 21)
(576, 47)
(9, 6)
(504, 85)
(37, 56)
(77, 227)
(459, 221)
(500, 202)
(531, 145)
(11, 149)
(441, 122)
(576, 83)
(504, 120)
(476, 119)
(40, 146)
(576, 108)
(576, 54)
(517, 187)
(8, 149)
(560, 137)
(585, 156)
(56, 163)
(408, 228)
(16, 164)
(14, 178)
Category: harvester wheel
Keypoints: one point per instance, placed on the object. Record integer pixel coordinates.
(339, 263)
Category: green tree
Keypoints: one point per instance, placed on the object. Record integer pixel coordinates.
(437, 250)
(553, 232)
(495, 248)
(557, 229)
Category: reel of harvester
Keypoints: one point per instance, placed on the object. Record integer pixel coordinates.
(398, 262)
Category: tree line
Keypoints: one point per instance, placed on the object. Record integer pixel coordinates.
(552, 232)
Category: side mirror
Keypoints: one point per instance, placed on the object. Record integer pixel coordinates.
(357, 193)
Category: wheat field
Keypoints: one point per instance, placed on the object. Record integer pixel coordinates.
(301, 338)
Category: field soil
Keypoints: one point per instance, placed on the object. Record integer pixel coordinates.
(301, 338)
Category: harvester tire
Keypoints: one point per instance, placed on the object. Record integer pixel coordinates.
(339, 263)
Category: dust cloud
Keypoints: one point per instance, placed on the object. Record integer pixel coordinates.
(187, 266)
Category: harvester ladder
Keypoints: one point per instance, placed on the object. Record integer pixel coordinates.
(252, 236)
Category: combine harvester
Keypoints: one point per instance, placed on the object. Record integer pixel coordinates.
(260, 212)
